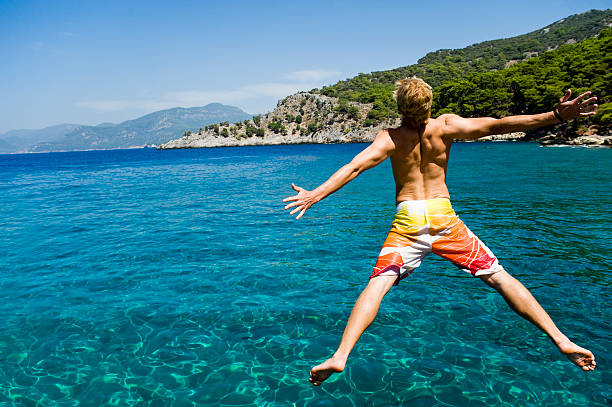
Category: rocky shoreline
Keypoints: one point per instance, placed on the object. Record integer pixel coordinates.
(580, 141)
(572, 134)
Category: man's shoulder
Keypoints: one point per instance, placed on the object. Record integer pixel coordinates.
(441, 125)
(384, 133)
(435, 125)
(444, 118)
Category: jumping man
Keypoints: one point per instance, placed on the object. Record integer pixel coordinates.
(425, 221)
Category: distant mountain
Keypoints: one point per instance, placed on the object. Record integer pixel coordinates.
(6, 147)
(20, 140)
(154, 128)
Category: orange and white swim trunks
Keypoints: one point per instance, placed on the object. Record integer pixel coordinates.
(421, 227)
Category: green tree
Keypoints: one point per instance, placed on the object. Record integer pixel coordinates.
(353, 112)
(250, 130)
(276, 127)
(313, 127)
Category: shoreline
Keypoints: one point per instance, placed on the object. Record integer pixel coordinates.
(600, 142)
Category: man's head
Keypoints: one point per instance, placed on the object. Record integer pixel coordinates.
(414, 99)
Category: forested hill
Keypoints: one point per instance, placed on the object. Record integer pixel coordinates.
(498, 54)
(535, 85)
(451, 66)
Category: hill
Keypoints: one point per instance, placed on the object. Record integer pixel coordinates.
(154, 128)
(536, 84)
(447, 65)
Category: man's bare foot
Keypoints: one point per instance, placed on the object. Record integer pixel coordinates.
(579, 356)
(321, 372)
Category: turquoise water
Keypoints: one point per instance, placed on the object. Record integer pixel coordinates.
(145, 277)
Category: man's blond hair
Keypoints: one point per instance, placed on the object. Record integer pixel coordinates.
(414, 98)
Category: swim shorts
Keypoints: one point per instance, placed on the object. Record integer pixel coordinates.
(421, 227)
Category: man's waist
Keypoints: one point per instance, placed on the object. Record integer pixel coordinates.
(425, 205)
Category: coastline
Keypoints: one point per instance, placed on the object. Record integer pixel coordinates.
(363, 135)
(580, 141)
(324, 138)
(367, 135)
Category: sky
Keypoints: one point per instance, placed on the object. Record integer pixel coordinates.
(89, 62)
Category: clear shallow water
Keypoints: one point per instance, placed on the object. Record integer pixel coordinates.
(144, 277)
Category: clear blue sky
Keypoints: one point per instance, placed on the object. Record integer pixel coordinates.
(89, 62)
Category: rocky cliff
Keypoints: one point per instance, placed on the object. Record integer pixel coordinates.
(298, 119)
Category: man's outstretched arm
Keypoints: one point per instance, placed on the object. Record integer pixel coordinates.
(381, 148)
(470, 129)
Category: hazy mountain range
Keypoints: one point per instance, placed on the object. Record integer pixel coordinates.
(21, 140)
(154, 128)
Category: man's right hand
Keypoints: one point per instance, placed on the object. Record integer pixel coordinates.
(579, 107)
(301, 202)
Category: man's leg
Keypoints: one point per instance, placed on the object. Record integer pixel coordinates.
(364, 312)
(524, 304)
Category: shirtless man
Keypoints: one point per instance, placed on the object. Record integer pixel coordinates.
(425, 221)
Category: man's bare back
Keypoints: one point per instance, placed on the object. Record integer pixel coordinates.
(419, 161)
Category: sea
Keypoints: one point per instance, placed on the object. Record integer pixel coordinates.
(149, 277)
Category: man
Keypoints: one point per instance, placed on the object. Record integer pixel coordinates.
(425, 221)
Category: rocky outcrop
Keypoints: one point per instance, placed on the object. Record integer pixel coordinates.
(566, 135)
(590, 141)
(518, 136)
(302, 118)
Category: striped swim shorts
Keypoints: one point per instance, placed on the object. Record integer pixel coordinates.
(421, 227)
